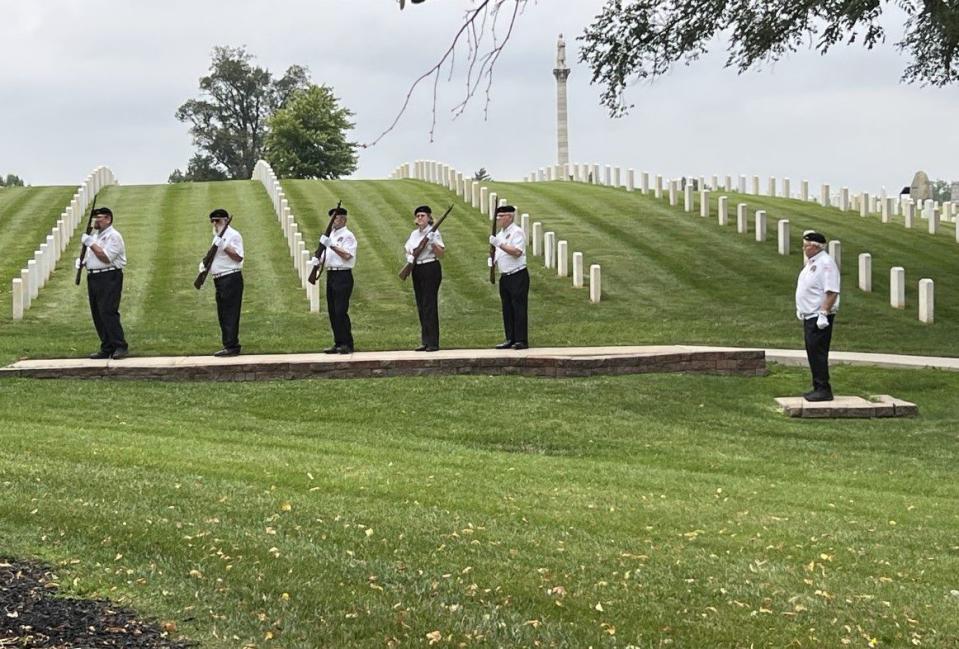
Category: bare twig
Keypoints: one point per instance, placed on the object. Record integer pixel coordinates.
(485, 14)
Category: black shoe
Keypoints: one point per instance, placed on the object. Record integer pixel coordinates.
(520, 346)
(332, 350)
(818, 395)
(421, 348)
(99, 355)
(120, 354)
(343, 349)
(233, 351)
(506, 344)
(431, 348)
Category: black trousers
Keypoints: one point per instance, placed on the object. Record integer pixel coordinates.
(339, 288)
(104, 291)
(229, 299)
(817, 351)
(514, 295)
(426, 287)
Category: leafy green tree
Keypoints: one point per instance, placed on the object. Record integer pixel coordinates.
(11, 180)
(229, 122)
(941, 190)
(642, 39)
(481, 175)
(200, 168)
(307, 137)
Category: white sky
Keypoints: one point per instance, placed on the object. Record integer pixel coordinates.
(87, 82)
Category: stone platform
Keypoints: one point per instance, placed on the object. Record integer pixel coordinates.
(879, 405)
(546, 362)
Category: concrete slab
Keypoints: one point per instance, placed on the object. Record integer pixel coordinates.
(843, 407)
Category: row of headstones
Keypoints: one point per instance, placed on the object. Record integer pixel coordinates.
(38, 269)
(897, 274)
(864, 203)
(555, 253)
(897, 288)
(299, 253)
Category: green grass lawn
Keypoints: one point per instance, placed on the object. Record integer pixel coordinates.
(669, 277)
(497, 511)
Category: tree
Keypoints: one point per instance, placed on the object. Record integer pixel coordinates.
(11, 180)
(307, 137)
(941, 190)
(200, 168)
(481, 175)
(229, 122)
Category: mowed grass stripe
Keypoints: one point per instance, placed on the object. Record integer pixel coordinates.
(27, 216)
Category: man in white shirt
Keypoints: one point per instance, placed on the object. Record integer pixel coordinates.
(510, 259)
(227, 274)
(427, 276)
(104, 267)
(817, 300)
(340, 260)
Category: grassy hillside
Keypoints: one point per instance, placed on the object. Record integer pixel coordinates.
(669, 277)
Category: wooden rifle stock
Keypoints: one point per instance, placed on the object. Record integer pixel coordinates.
(492, 254)
(408, 268)
(83, 248)
(320, 253)
(208, 259)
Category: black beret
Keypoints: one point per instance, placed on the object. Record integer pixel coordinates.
(814, 237)
(103, 210)
(422, 208)
(219, 214)
(505, 208)
(339, 211)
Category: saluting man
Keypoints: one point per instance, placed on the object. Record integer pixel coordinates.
(510, 259)
(340, 260)
(427, 277)
(817, 300)
(227, 274)
(105, 283)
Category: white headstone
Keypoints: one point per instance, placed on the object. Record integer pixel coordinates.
(483, 200)
(549, 249)
(493, 204)
(595, 284)
(824, 195)
(723, 212)
(865, 272)
(897, 287)
(313, 291)
(742, 224)
(672, 193)
(17, 292)
(596, 179)
(577, 270)
(934, 221)
(908, 213)
(644, 182)
(844, 199)
(688, 197)
(755, 191)
(34, 279)
(537, 238)
(704, 203)
(804, 190)
(785, 187)
(630, 180)
(617, 177)
(835, 251)
(728, 184)
(742, 184)
(608, 176)
(524, 224)
(771, 188)
(927, 302)
(562, 258)
(659, 187)
(864, 205)
(760, 225)
(783, 238)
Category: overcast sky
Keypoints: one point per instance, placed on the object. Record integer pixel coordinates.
(88, 82)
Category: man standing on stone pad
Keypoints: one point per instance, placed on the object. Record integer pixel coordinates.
(105, 283)
(817, 300)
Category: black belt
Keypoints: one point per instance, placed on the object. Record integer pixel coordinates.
(338, 269)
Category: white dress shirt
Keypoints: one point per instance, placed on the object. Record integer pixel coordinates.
(512, 235)
(113, 247)
(224, 263)
(819, 275)
(344, 239)
(428, 255)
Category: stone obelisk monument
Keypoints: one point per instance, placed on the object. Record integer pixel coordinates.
(561, 72)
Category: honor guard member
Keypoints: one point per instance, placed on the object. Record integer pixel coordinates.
(105, 283)
(510, 259)
(227, 271)
(427, 276)
(817, 300)
(340, 260)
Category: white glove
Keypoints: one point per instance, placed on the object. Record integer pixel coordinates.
(494, 240)
(489, 262)
(314, 261)
(325, 240)
(201, 268)
(76, 263)
(822, 321)
(431, 237)
(218, 241)
(88, 240)
(409, 259)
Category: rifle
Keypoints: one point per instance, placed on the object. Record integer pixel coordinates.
(492, 254)
(208, 258)
(408, 268)
(83, 248)
(320, 253)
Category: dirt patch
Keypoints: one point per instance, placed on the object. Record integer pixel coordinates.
(32, 616)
